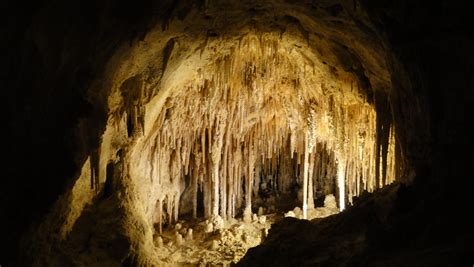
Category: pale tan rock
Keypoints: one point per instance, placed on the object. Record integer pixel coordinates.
(254, 218)
(214, 245)
(260, 211)
(178, 239)
(290, 214)
(189, 235)
(159, 241)
(330, 202)
(297, 211)
(209, 227)
(217, 222)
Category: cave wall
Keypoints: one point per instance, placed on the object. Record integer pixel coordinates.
(54, 51)
(429, 42)
(57, 54)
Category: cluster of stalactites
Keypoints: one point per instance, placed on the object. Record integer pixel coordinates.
(249, 116)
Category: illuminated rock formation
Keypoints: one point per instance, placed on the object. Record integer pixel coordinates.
(201, 123)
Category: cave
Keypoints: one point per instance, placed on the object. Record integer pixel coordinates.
(247, 133)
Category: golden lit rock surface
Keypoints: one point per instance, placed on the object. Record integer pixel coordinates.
(218, 111)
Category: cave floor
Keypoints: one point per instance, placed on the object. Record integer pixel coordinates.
(221, 246)
(220, 242)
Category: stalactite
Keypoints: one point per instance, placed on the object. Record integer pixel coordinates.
(311, 136)
(194, 179)
(176, 206)
(341, 184)
(208, 192)
(255, 114)
(95, 169)
(169, 205)
(310, 180)
(160, 214)
(305, 177)
(230, 187)
(249, 182)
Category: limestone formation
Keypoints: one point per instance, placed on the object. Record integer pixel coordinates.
(330, 202)
(260, 211)
(220, 113)
(254, 217)
(189, 235)
(214, 245)
(159, 241)
(178, 239)
(209, 227)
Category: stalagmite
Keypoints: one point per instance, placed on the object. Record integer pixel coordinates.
(189, 235)
(260, 211)
(214, 245)
(178, 239)
(209, 227)
(195, 184)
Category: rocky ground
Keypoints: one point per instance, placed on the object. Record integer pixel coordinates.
(217, 242)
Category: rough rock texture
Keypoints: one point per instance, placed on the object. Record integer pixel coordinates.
(85, 82)
(388, 228)
(222, 246)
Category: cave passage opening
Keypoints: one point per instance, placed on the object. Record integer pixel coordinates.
(259, 129)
